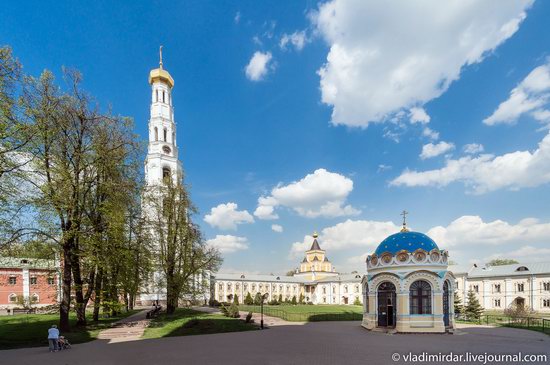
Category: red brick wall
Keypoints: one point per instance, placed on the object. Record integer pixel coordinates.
(47, 293)
(5, 288)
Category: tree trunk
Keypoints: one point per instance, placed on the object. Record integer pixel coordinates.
(64, 308)
(80, 303)
(171, 295)
(98, 295)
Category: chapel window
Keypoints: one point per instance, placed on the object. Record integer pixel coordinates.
(421, 298)
(33, 280)
(546, 286)
(12, 280)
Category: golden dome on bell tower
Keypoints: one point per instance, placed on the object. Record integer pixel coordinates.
(160, 74)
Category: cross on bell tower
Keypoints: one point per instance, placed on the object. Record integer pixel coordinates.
(404, 214)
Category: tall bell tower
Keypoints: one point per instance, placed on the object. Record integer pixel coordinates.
(162, 153)
(161, 163)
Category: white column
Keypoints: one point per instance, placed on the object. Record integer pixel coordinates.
(508, 292)
(26, 284)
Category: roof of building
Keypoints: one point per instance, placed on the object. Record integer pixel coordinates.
(315, 245)
(510, 270)
(315, 258)
(258, 277)
(326, 259)
(26, 263)
(355, 277)
(405, 240)
(304, 260)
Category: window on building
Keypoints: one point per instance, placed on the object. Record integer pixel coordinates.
(497, 288)
(324, 299)
(165, 136)
(333, 290)
(12, 280)
(228, 286)
(220, 286)
(163, 97)
(546, 286)
(157, 98)
(357, 288)
(33, 281)
(546, 303)
(324, 290)
(51, 281)
(345, 288)
(497, 303)
(420, 298)
(166, 174)
(35, 298)
(156, 134)
(521, 287)
(476, 288)
(12, 298)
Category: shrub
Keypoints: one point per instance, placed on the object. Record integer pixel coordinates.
(233, 311)
(280, 300)
(357, 301)
(257, 299)
(248, 299)
(236, 300)
(248, 317)
(294, 301)
(224, 310)
(301, 300)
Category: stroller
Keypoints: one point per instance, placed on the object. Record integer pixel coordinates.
(63, 343)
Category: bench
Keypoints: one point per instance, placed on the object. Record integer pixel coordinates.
(153, 312)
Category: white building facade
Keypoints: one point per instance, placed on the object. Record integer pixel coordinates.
(316, 281)
(501, 287)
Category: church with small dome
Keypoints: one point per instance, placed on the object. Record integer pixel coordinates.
(408, 287)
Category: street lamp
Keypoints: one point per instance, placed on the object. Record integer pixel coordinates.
(262, 310)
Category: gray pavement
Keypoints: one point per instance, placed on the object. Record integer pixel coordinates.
(312, 343)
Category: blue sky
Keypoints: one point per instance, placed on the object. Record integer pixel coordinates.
(338, 114)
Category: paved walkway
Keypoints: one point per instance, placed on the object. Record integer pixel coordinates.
(130, 328)
(268, 320)
(319, 343)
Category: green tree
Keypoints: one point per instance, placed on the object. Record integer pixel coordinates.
(294, 301)
(357, 301)
(459, 308)
(500, 262)
(280, 299)
(290, 273)
(248, 300)
(473, 310)
(236, 299)
(258, 299)
(302, 299)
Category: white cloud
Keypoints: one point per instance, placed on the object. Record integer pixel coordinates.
(237, 17)
(485, 173)
(258, 67)
(473, 148)
(277, 228)
(473, 231)
(266, 208)
(430, 133)
(226, 216)
(382, 168)
(298, 39)
(228, 243)
(322, 193)
(432, 150)
(418, 115)
(531, 96)
(348, 234)
(385, 57)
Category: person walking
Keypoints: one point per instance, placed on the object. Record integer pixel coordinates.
(53, 337)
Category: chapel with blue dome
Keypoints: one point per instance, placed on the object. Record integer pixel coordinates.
(405, 240)
(408, 287)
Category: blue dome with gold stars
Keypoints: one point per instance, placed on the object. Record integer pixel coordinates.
(406, 240)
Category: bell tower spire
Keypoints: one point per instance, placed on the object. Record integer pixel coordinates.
(160, 57)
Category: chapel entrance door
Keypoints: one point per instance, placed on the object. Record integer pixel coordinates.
(446, 303)
(386, 305)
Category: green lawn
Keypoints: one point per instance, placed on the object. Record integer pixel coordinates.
(31, 330)
(185, 322)
(309, 313)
